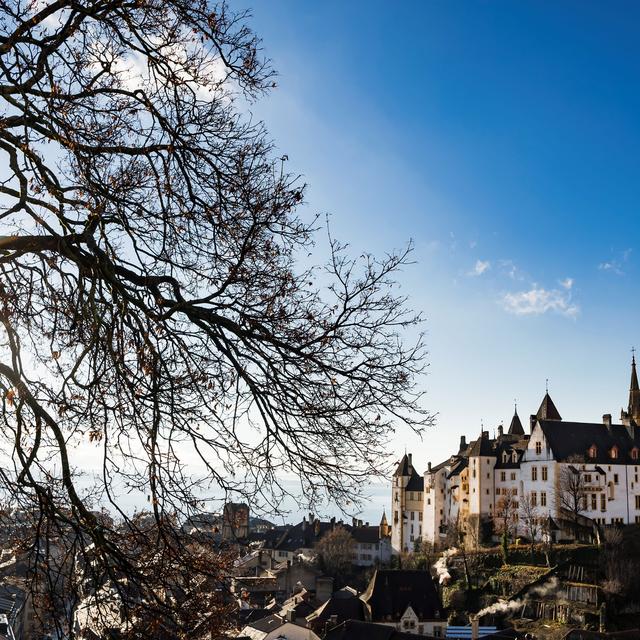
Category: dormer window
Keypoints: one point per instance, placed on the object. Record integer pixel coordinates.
(593, 451)
(634, 453)
(514, 457)
(505, 457)
(614, 452)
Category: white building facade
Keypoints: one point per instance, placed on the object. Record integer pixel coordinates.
(560, 480)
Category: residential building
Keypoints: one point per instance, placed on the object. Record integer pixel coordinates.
(405, 600)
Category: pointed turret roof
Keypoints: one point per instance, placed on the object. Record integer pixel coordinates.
(634, 392)
(384, 518)
(404, 467)
(515, 429)
(547, 410)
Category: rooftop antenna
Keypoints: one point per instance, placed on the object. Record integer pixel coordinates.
(546, 384)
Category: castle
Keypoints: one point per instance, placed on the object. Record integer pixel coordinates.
(562, 480)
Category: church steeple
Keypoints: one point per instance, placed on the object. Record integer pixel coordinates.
(634, 392)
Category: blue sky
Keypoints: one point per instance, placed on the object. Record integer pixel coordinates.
(503, 138)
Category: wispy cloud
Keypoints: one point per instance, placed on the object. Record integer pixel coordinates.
(509, 268)
(612, 267)
(567, 283)
(616, 265)
(480, 267)
(537, 301)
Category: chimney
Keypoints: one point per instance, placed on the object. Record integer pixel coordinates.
(410, 456)
(463, 443)
(500, 431)
(353, 522)
(475, 626)
(428, 466)
(366, 524)
(291, 615)
(606, 419)
(304, 523)
(532, 422)
(485, 435)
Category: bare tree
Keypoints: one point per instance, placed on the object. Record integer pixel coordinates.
(155, 314)
(336, 551)
(530, 517)
(572, 494)
(506, 509)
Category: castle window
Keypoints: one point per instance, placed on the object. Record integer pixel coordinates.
(534, 499)
(514, 457)
(534, 473)
(503, 475)
(593, 451)
(545, 473)
(505, 457)
(614, 452)
(538, 448)
(634, 453)
(513, 476)
(543, 498)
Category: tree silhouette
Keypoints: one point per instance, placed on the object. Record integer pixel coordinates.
(157, 308)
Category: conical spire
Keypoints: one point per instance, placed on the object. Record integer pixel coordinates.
(515, 429)
(384, 522)
(634, 391)
(547, 410)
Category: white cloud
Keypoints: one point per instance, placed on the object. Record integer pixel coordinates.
(612, 267)
(509, 268)
(480, 267)
(616, 265)
(537, 301)
(567, 283)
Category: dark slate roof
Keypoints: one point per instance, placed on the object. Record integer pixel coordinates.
(442, 465)
(303, 535)
(416, 482)
(268, 624)
(509, 444)
(547, 410)
(404, 467)
(390, 593)
(568, 439)
(344, 604)
(366, 534)
(459, 465)
(482, 447)
(248, 616)
(515, 428)
(357, 630)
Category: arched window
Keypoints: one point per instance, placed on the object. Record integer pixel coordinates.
(614, 452)
(514, 457)
(593, 451)
(634, 453)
